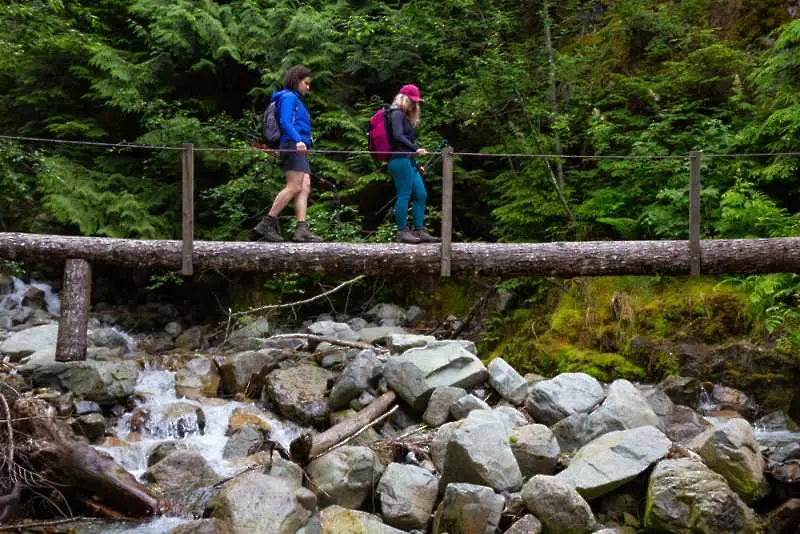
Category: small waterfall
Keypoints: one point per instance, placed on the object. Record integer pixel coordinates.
(705, 405)
(157, 388)
(12, 300)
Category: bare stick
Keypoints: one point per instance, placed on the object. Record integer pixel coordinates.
(301, 302)
(359, 432)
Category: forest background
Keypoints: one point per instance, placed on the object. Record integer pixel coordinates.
(615, 92)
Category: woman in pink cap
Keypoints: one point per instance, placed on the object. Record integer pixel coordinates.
(407, 179)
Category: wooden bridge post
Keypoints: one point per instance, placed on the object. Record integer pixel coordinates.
(695, 258)
(187, 166)
(76, 296)
(447, 208)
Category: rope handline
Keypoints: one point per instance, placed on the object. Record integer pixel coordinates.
(432, 153)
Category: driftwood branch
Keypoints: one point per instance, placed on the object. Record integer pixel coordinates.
(309, 446)
(340, 342)
(588, 258)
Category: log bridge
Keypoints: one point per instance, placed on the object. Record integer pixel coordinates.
(465, 260)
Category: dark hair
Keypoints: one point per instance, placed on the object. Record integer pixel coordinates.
(295, 75)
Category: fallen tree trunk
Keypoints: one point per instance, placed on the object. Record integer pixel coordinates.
(307, 446)
(589, 258)
(82, 474)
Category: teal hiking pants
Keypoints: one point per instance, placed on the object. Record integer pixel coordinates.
(409, 186)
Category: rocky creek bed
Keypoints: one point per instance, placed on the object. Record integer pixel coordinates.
(222, 435)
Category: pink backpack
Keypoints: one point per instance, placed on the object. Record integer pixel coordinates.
(378, 133)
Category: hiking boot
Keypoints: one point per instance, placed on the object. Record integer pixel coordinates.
(267, 228)
(425, 237)
(303, 235)
(407, 236)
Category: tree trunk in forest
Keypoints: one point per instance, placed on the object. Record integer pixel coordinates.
(81, 473)
(76, 296)
(583, 258)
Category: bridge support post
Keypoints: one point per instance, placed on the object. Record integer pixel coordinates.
(187, 167)
(447, 209)
(695, 258)
(76, 296)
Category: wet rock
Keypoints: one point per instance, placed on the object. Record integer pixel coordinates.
(300, 393)
(535, 448)
(247, 417)
(173, 420)
(682, 389)
(336, 519)
(244, 442)
(197, 378)
(161, 451)
(417, 372)
(365, 438)
(659, 401)
(685, 496)
(191, 339)
(255, 329)
(558, 506)
(407, 494)
(478, 452)
(30, 340)
(345, 476)
(468, 509)
(109, 382)
(182, 477)
(777, 421)
(92, 426)
(266, 504)
(784, 519)
(107, 336)
(731, 450)
(613, 459)
(387, 312)
(549, 401)
(507, 381)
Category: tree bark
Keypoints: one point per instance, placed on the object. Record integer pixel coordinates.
(76, 296)
(585, 258)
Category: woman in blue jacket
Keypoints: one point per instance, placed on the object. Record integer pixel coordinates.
(407, 179)
(295, 141)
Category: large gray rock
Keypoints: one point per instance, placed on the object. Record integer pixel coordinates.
(345, 476)
(507, 381)
(408, 494)
(104, 382)
(398, 343)
(623, 408)
(338, 520)
(549, 401)
(237, 369)
(182, 477)
(527, 524)
(466, 404)
(360, 374)
(197, 378)
(730, 449)
(417, 372)
(468, 509)
(535, 448)
(683, 424)
(299, 393)
(374, 334)
(613, 459)
(685, 496)
(333, 330)
(682, 390)
(441, 438)
(442, 399)
(558, 506)
(257, 503)
(479, 452)
(30, 340)
(203, 526)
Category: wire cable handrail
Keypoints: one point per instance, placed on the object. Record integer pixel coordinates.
(437, 152)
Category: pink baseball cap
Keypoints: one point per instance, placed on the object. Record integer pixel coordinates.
(412, 92)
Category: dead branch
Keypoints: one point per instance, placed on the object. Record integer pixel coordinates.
(332, 341)
(306, 447)
(301, 302)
